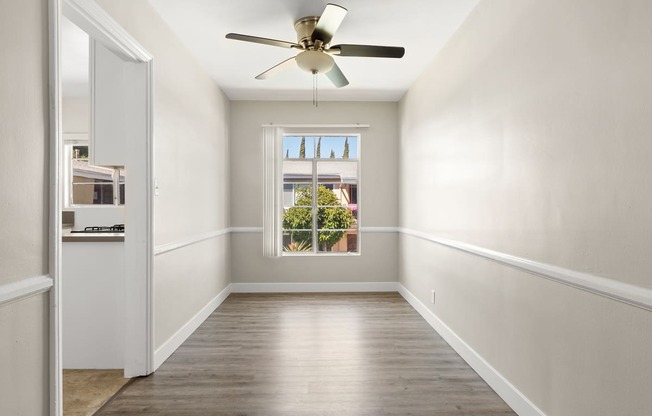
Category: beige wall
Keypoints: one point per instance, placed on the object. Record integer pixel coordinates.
(191, 168)
(24, 361)
(24, 357)
(24, 132)
(530, 135)
(378, 192)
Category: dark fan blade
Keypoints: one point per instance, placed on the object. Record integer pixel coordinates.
(264, 41)
(337, 77)
(369, 51)
(328, 23)
(276, 69)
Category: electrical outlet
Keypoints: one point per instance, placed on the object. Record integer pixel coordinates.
(432, 296)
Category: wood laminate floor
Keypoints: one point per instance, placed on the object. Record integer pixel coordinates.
(311, 354)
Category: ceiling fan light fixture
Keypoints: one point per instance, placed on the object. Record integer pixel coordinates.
(314, 35)
(315, 62)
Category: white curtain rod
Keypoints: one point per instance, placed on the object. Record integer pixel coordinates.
(320, 126)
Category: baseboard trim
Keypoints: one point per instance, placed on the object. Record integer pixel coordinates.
(21, 289)
(314, 287)
(175, 245)
(163, 352)
(633, 295)
(506, 390)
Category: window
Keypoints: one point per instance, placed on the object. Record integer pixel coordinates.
(87, 184)
(320, 180)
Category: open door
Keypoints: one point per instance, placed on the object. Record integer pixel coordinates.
(120, 136)
(109, 107)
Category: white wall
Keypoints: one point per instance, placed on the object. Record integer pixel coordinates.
(75, 114)
(530, 135)
(191, 167)
(24, 204)
(378, 193)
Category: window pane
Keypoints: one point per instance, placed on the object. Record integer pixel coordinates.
(80, 152)
(297, 194)
(298, 147)
(335, 218)
(297, 229)
(92, 193)
(337, 172)
(297, 172)
(329, 218)
(342, 179)
(337, 147)
(297, 218)
(297, 242)
(338, 241)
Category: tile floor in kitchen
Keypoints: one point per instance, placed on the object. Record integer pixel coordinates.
(85, 391)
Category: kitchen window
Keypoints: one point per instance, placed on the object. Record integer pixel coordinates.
(320, 185)
(89, 185)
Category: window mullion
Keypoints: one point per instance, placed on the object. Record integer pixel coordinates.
(71, 176)
(315, 236)
(116, 186)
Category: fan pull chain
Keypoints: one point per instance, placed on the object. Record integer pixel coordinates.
(314, 89)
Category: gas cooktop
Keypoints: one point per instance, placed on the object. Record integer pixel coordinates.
(117, 228)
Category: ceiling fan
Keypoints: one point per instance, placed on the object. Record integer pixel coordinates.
(314, 34)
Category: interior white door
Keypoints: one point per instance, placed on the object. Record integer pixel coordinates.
(109, 107)
(121, 136)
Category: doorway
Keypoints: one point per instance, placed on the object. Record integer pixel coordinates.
(119, 137)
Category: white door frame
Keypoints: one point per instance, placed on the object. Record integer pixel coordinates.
(139, 328)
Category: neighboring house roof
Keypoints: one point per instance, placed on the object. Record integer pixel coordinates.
(300, 171)
(81, 167)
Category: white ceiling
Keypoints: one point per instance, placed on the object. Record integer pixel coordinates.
(421, 26)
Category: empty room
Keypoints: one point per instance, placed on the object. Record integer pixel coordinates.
(296, 207)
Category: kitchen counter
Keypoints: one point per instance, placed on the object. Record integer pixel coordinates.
(68, 237)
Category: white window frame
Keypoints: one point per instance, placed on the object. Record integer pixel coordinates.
(279, 190)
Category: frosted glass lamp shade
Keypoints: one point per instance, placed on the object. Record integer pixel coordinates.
(315, 62)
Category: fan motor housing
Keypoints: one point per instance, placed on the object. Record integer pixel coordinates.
(304, 28)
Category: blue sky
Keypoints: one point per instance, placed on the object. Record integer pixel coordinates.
(328, 143)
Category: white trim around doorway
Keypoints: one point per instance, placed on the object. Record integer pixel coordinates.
(89, 16)
(55, 206)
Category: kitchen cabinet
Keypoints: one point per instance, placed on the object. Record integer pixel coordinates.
(93, 305)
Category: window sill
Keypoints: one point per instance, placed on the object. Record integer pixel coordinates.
(84, 206)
